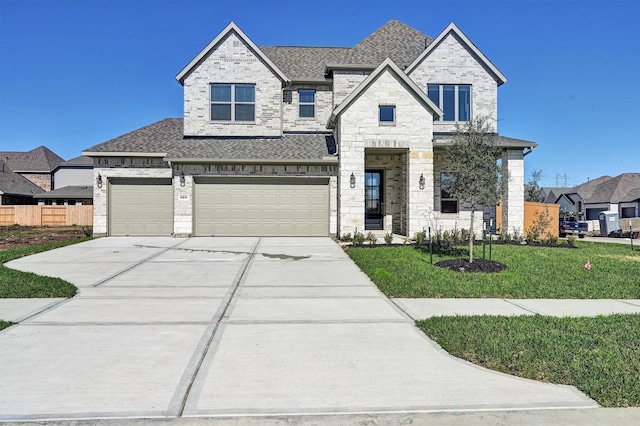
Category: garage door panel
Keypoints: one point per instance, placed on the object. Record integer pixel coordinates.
(141, 207)
(278, 207)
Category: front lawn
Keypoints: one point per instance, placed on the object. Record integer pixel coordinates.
(532, 272)
(18, 284)
(600, 356)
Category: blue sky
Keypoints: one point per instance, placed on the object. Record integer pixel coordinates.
(77, 73)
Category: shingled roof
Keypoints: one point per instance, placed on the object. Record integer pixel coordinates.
(393, 40)
(38, 160)
(68, 193)
(622, 188)
(14, 184)
(165, 138)
(501, 141)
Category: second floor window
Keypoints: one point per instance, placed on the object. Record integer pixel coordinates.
(453, 100)
(307, 103)
(387, 114)
(448, 204)
(233, 102)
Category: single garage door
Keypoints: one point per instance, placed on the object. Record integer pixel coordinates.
(262, 207)
(140, 207)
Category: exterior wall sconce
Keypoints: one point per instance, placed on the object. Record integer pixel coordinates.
(352, 181)
(182, 179)
(421, 181)
(99, 181)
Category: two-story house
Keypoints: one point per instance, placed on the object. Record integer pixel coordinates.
(307, 141)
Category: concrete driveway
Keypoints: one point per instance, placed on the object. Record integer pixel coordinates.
(168, 327)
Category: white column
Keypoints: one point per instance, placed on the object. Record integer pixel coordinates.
(513, 199)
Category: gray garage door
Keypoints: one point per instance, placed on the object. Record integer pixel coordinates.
(141, 207)
(262, 207)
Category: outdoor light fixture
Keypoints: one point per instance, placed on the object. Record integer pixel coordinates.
(99, 181)
(182, 180)
(352, 181)
(421, 181)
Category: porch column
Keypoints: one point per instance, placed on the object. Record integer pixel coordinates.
(351, 200)
(513, 199)
(419, 201)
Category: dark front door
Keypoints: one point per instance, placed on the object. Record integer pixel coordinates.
(373, 213)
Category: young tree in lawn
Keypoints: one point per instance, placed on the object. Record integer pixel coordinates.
(475, 178)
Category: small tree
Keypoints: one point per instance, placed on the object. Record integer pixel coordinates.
(472, 164)
(532, 190)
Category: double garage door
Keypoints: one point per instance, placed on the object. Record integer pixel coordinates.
(224, 207)
(261, 206)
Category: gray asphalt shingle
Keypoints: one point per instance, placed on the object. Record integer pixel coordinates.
(166, 138)
(40, 159)
(14, 184)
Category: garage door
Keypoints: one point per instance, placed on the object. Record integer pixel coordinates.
(141, 207)
(262, 207)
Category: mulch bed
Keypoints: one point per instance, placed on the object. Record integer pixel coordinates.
(478, 265)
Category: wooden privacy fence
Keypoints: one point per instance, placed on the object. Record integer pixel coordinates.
(531, 212)
(46, 215)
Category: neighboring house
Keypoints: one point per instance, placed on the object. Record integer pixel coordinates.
(606, 193)
(550, 194)
(36, 165)
(16, 189)
(307, 141)
(75, 172)
(67, 196)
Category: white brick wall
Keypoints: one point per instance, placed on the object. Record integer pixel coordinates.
(452, 63)
(232, 62)
(344, 82)
(100, 195)
(323, 107)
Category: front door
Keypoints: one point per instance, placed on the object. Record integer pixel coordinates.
(373, 212)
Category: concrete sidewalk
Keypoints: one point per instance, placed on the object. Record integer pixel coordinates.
(419, 309)
(240, 327)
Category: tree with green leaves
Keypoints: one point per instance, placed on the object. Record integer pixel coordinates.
(475, 177)
(532, 190)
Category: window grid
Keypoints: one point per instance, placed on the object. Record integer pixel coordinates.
(454, 101)
(233, 102)
(307, 101)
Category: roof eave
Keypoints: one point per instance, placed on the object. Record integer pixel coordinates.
(123, 154)
(191, 160)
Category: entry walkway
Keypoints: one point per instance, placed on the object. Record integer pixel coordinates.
(215, 327)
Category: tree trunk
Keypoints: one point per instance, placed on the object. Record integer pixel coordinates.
(471, 235)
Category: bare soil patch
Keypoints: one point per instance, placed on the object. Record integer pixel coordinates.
(23, 236)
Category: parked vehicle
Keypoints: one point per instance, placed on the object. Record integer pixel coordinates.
(569, 225)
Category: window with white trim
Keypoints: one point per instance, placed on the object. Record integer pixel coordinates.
(453, 99)
(307, 99)
(233, 102)
(448, 204)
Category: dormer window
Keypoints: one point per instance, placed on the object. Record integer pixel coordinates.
(307, 99)
(233, 102)
(453, 100)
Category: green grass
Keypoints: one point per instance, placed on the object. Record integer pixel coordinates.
(600, 356)
(532, 272)
(18, 284)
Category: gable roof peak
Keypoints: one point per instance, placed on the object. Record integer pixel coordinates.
(386, 65)
(232, 27)
(453, 28)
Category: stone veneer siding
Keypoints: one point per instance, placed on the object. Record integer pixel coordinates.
(513, 200)
(43, 180)
(232, 62)
(394, 178)
(451, 63)
(359, 129)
